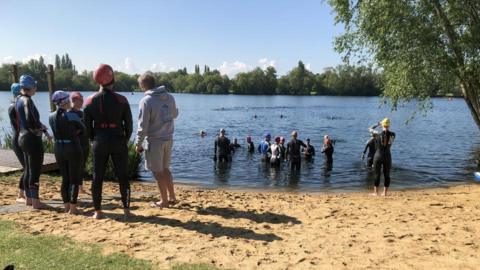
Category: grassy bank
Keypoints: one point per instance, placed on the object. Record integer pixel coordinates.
(30, 251)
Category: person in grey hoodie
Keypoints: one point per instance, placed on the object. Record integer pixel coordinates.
(157, 111)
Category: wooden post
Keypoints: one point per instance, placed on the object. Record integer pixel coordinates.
(51, 86)
(14, 72)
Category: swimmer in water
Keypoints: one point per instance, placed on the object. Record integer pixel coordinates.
(250, 145)
(309, 151)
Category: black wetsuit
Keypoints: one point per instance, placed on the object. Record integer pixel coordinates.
(328, 151)
(222, 149)
(370, 146)
(250, 147)
(282, 152)
(108, 121)
(383, 157)
(12, 114)
(67, 129)
(309, 152)
(84, 143)
(30, 141)
(293, 151)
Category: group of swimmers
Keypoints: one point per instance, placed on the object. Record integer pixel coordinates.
(274, 153)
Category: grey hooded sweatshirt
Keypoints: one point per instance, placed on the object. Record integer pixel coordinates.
(155, 119)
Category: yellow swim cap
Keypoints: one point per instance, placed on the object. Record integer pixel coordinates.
(294, 134)
(385, 122)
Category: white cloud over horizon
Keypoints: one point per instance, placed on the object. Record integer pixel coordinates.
(233, 68)
(265, 63)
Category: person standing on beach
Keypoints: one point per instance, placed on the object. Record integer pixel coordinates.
(30, 139)
(157, 112)
(293, 152)
(108, 121)
(67, 129)
(12, 114)
(382, 158)
(76, 100)
(222, 150)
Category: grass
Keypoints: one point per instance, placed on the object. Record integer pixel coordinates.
(27, 251)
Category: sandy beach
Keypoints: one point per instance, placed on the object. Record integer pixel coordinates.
(422, 229)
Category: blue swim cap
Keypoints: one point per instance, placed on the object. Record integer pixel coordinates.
(15, 88)
(267, 135)
(60, 98)
(27, 82)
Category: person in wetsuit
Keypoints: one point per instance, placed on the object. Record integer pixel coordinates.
(264, 147)
(222, 150)
(370, 146)
(76, 100)
(283, 150)
(275, 153)
(234, 145)
(382, 158)
(250, 145)
(12, 114)
(309, 151)
(68, 129)
(293, 152)
(108, 122)
(327, 150)
(30, 139)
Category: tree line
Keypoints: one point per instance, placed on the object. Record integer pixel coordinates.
(343, 80)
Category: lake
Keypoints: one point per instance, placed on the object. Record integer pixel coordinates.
(437, 150)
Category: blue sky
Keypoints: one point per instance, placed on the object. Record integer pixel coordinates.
(135, 36)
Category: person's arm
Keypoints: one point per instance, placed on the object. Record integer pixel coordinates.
(367, 145)
(174, 109)
(287, 151)
(215, 149)
(372, 128)
(313, 151)
(143, 123)
(127, 121)
(87, 117)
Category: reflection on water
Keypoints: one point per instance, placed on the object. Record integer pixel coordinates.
(437, 150)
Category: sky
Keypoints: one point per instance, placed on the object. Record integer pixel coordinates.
(135, 36)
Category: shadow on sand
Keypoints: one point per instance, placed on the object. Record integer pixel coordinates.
(208, 228)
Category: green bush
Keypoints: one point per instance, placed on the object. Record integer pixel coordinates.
(134, 159)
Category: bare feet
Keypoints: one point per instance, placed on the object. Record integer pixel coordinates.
(28, 202)
(37, 204)
(20, 200)
(66, 207)
(159, 204)
(73, 209)
(98, 214)
(373, 194)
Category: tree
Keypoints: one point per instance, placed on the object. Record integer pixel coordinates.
(57, 61)
(421, 46)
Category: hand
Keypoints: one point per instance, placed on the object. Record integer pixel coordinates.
(138, 149)
(363, 156)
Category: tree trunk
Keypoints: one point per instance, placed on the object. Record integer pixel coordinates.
(471, 98)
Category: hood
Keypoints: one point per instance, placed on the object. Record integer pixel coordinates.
(156, 91)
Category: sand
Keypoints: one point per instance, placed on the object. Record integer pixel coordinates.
(423, 229)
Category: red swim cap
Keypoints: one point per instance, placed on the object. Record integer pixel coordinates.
(103, 75)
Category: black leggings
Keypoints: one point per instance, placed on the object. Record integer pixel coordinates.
(32, 148)
(386, 163)
(102, 151)
(69, 157)
(19, 153)
(85, 152)
(224, 158)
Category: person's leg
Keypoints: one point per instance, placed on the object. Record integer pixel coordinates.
(26, 179)
(20, 156)
(386, 174)
(377, 165)
(166, 170)
(85, 153)
(120, 164)
(64, 188)
(75, 169)
(160, 177)
(36, 163)
(100, 159)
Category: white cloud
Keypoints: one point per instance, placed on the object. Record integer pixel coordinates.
(308, 67)
(128, 66)
(265, 63)
(7, 60)
(232, 69)
(158, 67)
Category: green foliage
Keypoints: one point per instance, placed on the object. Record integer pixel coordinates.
(422, 47)
(134, 159)
(26, 251)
